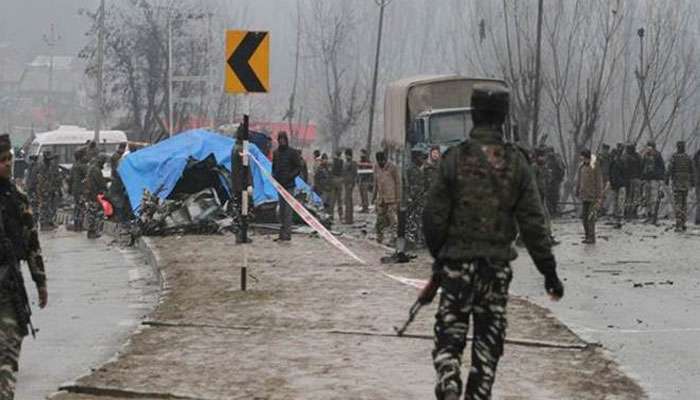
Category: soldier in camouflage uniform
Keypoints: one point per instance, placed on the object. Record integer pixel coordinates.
(48, 189)
(95, 184)
(415, 184)
(323, 183)
(18, 241)
(30, 185)
(485, 190)
(76, 182)
(682, 175)
(364, 181)
(336, 198)
(349, 180)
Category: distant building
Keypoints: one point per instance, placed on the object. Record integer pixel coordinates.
(40, 94)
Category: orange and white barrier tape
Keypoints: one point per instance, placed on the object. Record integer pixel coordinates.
(416, 283)
(306, 215)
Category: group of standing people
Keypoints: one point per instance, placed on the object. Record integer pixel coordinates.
(85, 183)
(629, 185)
(335, 181)
(636, 182)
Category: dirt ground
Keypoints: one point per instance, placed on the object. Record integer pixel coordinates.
(314, 324)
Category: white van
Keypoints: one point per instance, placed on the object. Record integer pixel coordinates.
(64, 141)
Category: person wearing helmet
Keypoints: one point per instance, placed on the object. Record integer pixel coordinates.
(483, 193)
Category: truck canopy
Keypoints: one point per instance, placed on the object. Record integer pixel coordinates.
(405, 99)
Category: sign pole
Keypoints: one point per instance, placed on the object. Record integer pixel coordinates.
(247, 71)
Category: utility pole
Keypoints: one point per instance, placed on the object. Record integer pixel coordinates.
(641, 76)
(51, 40)
(382, 4)
(170, 74)
(538, 75)
(100, 69)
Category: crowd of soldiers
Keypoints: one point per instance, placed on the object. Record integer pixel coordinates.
(335, 181)
(634, 182)
(85, 182)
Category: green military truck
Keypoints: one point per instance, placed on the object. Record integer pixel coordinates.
(429, 111)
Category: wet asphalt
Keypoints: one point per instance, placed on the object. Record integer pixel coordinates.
(98, 294)
(636, 292)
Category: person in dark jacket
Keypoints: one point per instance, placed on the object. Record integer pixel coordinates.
(483, 194)
(603, 160)
(653, 174)
(78, 173)
(618, 185)
(349, 180)
(632, 169)
(286, 166)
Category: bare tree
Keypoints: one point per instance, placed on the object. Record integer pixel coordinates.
(334, 60)
(665, 75)
(136, 61)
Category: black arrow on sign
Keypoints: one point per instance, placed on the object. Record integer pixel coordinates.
(239, 61)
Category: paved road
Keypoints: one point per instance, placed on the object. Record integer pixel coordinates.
(653, 330)
(97, 296)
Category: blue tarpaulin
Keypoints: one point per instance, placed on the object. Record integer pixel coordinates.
(159, 167)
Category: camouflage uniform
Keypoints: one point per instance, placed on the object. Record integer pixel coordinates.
(415, 184)
(76, 182)
(48, 189)
(484, 192)
(349, 179)
(364, 182)
(681, 173)
(30, 184)
(323, 183)
(94, 185)
(21, 236)
(336, 197)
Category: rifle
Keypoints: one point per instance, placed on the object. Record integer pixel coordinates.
(14, 279)
(426, 296)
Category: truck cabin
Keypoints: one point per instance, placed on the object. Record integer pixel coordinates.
(445, 127)
(433, 110)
